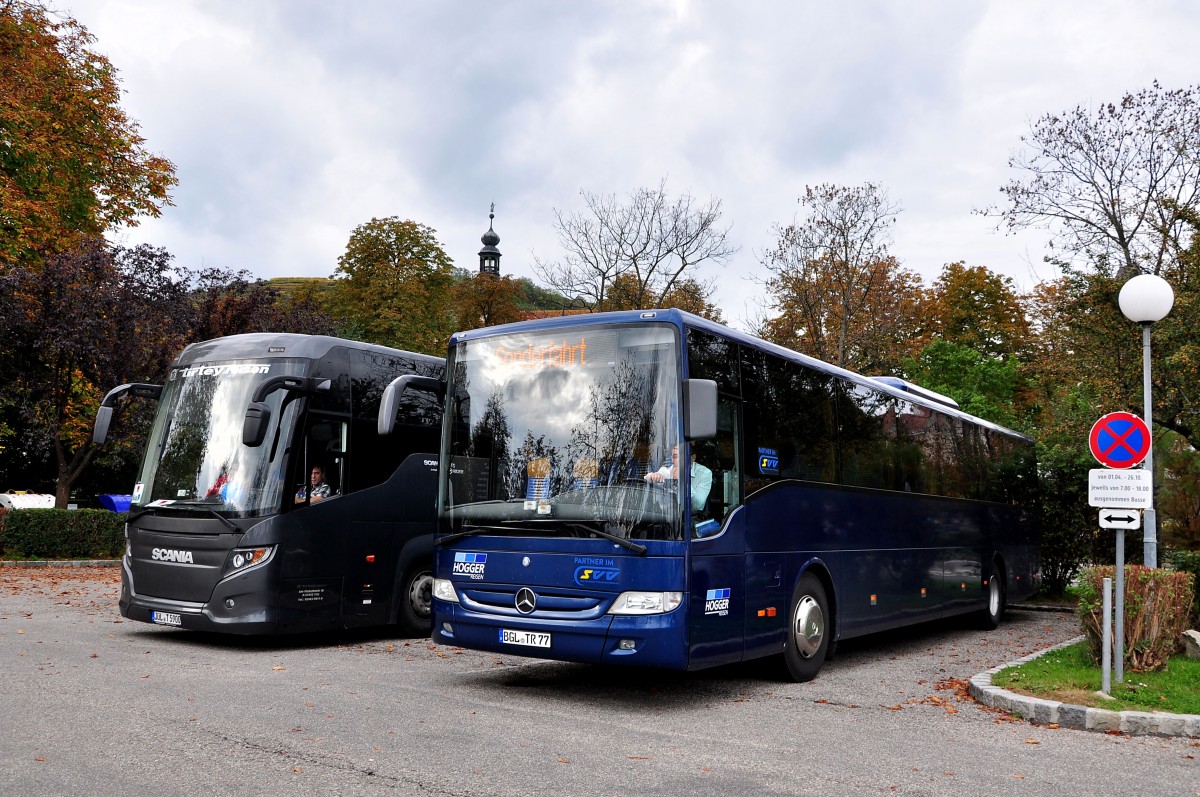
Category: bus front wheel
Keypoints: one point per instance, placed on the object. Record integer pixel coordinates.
(416, 600)
(808, 629)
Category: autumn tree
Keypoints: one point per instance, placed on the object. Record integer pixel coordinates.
(1112, 183)
(974, 335)
(688, 294)
(225, 302)
(393, 284)
(484, 300)
(651, 243)
(73, 327)
(975, 307)
(72, 163)
(836, 291)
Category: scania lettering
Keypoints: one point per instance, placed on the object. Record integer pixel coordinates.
(164, 555)
(650, 488)
(226, 530)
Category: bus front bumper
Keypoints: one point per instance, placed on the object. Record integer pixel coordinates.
(658, 640)
(237, 606)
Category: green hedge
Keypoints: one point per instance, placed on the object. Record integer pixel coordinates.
(62, 534)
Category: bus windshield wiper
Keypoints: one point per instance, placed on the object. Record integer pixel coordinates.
(471, 532)
(232, 526)
(636, 547)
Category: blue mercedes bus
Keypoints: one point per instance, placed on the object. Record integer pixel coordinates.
(267, 502)
(650, 488)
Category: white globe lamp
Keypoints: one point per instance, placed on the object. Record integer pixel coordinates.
(1145, 299)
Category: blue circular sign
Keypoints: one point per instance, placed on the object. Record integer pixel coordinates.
(1119, 440)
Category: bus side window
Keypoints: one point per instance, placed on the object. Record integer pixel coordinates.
(726, 465)
(324, 447)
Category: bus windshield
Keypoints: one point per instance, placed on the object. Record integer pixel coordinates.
(195, 460)
(554, 432)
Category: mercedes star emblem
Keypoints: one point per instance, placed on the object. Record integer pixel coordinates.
(526, 600)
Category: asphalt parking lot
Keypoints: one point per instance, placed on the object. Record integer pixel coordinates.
(97, 705)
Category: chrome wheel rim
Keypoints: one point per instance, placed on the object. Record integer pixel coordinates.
(808, 627)
(994, 597)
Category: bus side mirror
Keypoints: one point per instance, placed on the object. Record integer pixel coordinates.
(258, 414)
(105, 413)
(103, 419)
(699, 409)
(390, 402)
(255, 425)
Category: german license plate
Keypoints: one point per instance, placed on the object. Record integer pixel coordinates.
(530, 639)
(166, 618)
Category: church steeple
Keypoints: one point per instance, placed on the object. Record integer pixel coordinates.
(489, 255)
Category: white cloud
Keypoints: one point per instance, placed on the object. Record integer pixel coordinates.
(292, 123)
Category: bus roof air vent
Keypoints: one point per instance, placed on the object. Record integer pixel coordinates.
(916, 390)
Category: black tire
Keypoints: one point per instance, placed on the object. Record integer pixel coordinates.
(808, 631)
(415, 616)
(993, 610)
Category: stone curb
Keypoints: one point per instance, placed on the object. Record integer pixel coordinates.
(1083, 718)
(1041, 607)
(60, 563)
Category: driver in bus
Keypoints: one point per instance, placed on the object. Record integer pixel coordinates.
(317, 490)
(701, 478)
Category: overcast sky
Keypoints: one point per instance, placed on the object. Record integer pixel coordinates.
(291, 123)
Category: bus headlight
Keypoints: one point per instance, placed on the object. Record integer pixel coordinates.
(646, 602)
(443, 590)
(241, 559)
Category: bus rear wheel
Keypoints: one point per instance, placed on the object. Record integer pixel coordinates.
(808, 629)
(416, 600)
(990, 617)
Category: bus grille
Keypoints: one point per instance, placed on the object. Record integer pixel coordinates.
(551, 604)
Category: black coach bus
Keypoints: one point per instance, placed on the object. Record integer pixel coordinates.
(267, 502)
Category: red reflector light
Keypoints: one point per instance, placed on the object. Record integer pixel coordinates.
(370, 557)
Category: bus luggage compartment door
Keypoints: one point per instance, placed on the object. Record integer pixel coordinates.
(370, 573)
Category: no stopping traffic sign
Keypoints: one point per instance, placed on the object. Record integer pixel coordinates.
(1119, 440)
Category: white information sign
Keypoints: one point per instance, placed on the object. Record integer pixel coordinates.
(1120, 519)
(1120, 489)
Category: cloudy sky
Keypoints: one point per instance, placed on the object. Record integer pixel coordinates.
(291, 123)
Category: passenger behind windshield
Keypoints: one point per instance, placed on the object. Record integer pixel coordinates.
(701, 479)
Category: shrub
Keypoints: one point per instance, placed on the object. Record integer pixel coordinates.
(63, 534)
(1189, 562)
(1157, 608)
